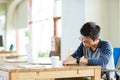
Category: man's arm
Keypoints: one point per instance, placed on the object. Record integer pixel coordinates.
(72, 59)
(105, 55)
(84, 61)
(69, 60)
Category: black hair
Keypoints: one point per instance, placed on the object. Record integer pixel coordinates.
(90, 29)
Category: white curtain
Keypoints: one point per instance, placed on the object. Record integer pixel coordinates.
(17, 15)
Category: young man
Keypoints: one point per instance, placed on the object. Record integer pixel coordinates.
(92, 50)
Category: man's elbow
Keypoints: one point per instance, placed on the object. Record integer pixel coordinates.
(103, 63)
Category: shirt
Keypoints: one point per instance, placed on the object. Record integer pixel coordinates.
(102, 55)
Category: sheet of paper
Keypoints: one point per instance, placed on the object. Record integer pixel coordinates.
(31, 66)
(15, 60)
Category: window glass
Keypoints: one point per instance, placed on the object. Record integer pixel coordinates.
(41, 26)
(43, 12)
(2, 22)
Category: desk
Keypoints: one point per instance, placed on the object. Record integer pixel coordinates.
(10, 71)
(10, 56)
(4, 52)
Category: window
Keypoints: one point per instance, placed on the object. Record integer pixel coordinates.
(2, 23)
(41, 27)
(42, 24)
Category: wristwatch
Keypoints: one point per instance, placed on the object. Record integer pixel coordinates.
(78, 60)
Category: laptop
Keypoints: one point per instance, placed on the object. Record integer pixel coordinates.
(36, 61)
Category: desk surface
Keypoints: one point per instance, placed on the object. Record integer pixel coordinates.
(61, 72)
(4, 52)
(7, 66)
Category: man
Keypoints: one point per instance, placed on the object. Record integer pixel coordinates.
(92, 51)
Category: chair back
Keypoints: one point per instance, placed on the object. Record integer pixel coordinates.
(116, 54)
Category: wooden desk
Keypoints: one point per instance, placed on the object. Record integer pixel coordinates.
(10, 71)
(7, 52)
(11, 55)
(4, 53)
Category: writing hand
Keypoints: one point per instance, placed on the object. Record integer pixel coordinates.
(69, 61)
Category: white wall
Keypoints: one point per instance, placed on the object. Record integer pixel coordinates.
(75, 12)
(97, 11)
(72, 20)
(114, 22)
(106, 14)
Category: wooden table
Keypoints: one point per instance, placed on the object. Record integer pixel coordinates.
(11, 55)
(11, 71)
(7, 52)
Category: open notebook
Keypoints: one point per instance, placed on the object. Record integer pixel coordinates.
(31, 60)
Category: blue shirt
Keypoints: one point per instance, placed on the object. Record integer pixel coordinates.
(100, 56)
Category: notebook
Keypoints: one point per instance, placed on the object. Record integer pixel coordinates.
(31, 60)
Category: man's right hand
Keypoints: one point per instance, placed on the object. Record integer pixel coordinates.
(70, 61)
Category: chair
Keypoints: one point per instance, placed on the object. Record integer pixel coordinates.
(116, 56)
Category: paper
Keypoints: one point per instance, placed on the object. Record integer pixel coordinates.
(31, 66)
(15, 60)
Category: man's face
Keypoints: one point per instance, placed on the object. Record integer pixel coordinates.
(87, 41)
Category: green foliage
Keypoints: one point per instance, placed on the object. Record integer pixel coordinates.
(43, 54)
(28, 34)
(119, 69)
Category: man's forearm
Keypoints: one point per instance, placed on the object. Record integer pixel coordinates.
(69, 60)
(84, 61)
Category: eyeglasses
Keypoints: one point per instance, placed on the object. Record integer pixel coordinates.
(85, 41)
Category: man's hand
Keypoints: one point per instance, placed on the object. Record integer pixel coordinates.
(69, 61)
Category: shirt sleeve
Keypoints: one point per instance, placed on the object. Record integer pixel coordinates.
(106, 51)
(78, 52)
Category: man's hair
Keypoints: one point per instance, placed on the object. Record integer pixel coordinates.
(90, 29)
